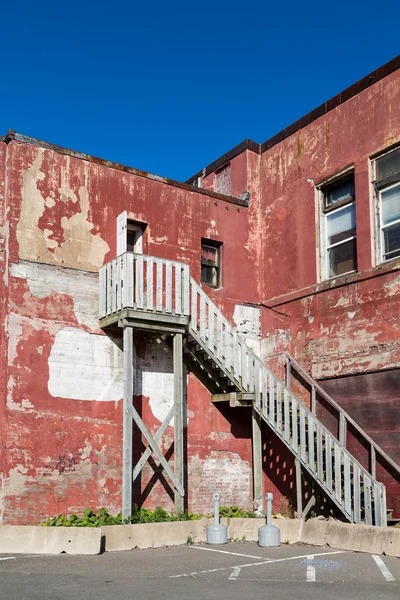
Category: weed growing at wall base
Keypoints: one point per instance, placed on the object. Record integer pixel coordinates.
(139, 515)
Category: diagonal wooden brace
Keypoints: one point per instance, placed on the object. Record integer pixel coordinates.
(155, 448)
(146, 454)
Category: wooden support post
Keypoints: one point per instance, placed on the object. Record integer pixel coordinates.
(299, 490)
(342, 429)
(127, 424)
(308, 507)
(178, 419)
(373, 461)
(313, 403)
(288, 372)
(257, 460)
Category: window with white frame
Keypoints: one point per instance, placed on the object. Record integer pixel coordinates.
(386, 171)
(339, 246)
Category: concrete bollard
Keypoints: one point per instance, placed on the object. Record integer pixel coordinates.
(269, 535)
(216, 533)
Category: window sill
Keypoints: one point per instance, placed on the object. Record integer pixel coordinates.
(353, 277)
(388, 261)
(211, 287)
(338, 277)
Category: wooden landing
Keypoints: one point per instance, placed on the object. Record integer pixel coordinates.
(146, 321)
(235, 399)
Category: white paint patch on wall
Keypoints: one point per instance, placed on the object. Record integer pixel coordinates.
(248, 321)
(155, 378)
(85, 366)
(82, 287)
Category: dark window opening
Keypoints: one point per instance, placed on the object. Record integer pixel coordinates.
(388, 165)
(211, 263)
(134, 237)
(340, 192)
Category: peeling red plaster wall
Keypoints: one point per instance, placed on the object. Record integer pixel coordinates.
(64, 454)
(354, 328)
(3, 319)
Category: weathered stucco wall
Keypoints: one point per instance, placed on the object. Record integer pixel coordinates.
(63, 382)
(351, 324)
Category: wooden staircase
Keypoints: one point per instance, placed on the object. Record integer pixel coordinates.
(160, 295)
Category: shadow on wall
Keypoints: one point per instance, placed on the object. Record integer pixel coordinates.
(239, 419)
(278, 466)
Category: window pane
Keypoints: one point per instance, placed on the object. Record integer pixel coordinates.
(340, 191)
(391, 237)
(341, 224)
(390, 205)
(388, 164)
(209, 254)
(342, 258)
(209, 275)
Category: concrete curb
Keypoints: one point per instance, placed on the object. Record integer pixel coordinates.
(33, 539)
(154, 535)
(359, 538)
(247, 529)
(16, 539)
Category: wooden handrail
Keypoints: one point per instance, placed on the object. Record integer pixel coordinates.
(342, 412)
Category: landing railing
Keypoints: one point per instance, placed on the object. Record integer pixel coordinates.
(144, 283)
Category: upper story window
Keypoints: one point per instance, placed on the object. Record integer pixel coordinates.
(211, 263)
(129, 235)
(386, 172)
(338, 227)
(223, 180)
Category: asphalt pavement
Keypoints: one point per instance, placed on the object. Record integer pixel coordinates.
(234, 571)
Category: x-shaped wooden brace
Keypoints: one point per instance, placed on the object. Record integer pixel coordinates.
(153, 446)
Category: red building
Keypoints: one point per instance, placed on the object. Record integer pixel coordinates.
(292, 246)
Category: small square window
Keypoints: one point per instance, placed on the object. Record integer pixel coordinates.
(339, 227)
(211, 263)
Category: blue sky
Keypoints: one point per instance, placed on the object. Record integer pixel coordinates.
(167, 87)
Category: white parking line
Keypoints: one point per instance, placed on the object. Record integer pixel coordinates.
(235, 573)
(310, 574)
(263, 562)
(226, 552)
(383, 568)
(8, 558)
